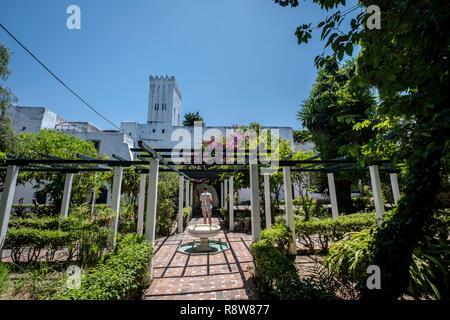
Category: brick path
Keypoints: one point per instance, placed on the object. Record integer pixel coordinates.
(221, 276)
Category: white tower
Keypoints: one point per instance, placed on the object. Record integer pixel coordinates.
(164, 102)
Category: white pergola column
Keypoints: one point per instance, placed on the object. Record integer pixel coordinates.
(267, 201)
(187, 194)
(231, 211)
(395, 188)
(7, 200)
(66, 195)
(333, 199)
(221, 195)
(141, 203)
(191, 195)
(180, 205)
(254, 202)
(377, 193)
(152, 201)
(225, 193)
(288, 206)
(93, 202)
(115, 203)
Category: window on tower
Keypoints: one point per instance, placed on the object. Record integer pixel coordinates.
(162, 130)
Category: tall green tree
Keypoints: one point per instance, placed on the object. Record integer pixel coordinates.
(326, 113)
(191, 117)
(8, 140)
(61, 145)
(406, 59)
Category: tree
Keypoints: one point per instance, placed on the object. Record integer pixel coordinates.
(330, 112)
(61, 145)
(407, 61)
(301, 136)
(8, 139)
(191, 117)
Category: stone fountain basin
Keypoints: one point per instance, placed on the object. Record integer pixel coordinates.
(204, 231)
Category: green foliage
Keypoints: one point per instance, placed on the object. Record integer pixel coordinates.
(4, 272)
(348, 259)
(64, 146)
(8, 139)
(301, 136)
(278, 236)
(309, 206)
(46, 223)
(187, 213)
(167, 193)
(270, 265)
(191, 117)
(429, 271)
(407, 61)
(121, 276)
(330, 112)
(303, 289)
(276, 276)
(28, 243)
(85, 240)
(328, 230)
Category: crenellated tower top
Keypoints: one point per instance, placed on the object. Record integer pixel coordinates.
(164, 100)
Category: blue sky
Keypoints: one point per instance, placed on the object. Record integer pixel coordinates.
(235, 61)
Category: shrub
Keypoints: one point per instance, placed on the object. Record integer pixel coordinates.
(46, 223)
(309, 207)
(120, 276)
(429, 270)
(276, 276)
(279, 236)
(225, 215)
(3, 277)
(33, 241)
(281, 218)
(270, 265)
(349, 258)
(328, 230)
(187, 213)
(165, 217)
(309, 288)
(27, 238)
(89, 245)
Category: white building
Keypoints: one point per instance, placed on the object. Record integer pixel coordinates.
(164, 113)
(163, 117)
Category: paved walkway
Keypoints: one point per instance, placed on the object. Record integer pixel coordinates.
(221, 276)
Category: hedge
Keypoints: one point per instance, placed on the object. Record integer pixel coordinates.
(278, 236)
(47, 223)
(85, 244)
(325, 231)
(120, 276)
(270, 266)
(33, 241)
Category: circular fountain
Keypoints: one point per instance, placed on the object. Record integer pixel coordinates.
(204, 232)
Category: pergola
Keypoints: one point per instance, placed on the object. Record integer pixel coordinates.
(149, 164)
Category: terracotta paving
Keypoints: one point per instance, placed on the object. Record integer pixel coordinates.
(221, 276)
